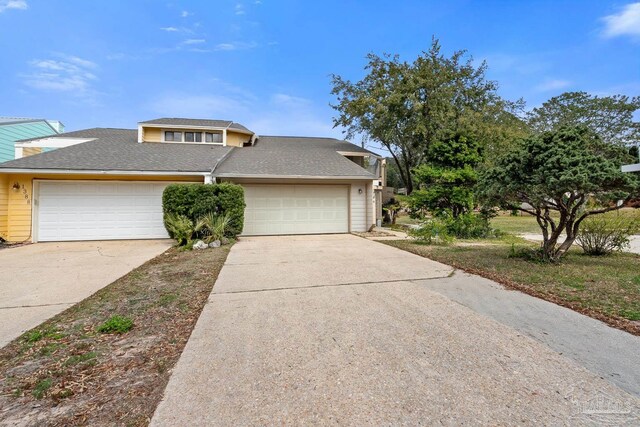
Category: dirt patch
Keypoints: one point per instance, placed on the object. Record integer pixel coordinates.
(7, 245)
(375, 234)
(64, 372)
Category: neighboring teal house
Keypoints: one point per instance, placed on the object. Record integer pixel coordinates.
(16, 129)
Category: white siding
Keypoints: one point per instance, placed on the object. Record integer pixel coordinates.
(359, 207)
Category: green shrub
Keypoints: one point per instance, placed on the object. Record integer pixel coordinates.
(116, 324)
(213, 227)
(601, 235)
(195, 201)
(432, 231)
(179, 228)
(469, 226)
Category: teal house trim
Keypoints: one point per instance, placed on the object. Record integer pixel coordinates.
(12, 130)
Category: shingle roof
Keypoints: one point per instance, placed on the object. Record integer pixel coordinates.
(176, 121)
(293, 156)
(119, 150)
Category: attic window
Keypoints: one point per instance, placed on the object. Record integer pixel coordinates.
(193, 137)
(173, 136)
(213, 137)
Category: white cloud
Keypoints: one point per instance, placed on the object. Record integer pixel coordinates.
(236, 46)
(169, 29)
(239, 9)
(552, 85)
(68, 74)
(13, 4)
(194, 41)
(185, 13)
(624, 23)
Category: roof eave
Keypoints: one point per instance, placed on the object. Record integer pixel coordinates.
(101, 172)
(276, 176)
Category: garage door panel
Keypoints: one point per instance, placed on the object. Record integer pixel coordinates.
(296, 209)
(100, 211)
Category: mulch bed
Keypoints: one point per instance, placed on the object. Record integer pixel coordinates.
(65, 372)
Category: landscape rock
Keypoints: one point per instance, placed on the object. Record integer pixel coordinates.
(215, 244)
(200, 245)
(225, 241)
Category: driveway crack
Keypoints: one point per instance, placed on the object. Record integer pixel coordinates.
(36, 305)
(376, 282)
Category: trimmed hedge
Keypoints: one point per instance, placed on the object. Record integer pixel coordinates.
(196, 200)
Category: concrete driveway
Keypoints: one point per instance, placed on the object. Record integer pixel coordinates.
(343, 330)
(39, 281)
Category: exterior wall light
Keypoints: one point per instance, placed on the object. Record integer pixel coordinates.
(16, 187)
(359, 190)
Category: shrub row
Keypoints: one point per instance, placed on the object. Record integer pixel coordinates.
(195, 201)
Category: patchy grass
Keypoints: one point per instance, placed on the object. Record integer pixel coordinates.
(116, 324)
(66, 372)
(606, 288)
(524, 223)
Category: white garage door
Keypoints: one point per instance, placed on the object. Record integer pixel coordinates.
(76, 210)
(296, 209)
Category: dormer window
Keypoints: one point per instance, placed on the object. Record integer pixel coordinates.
(173, 136)
(215, 138)
(193, 137)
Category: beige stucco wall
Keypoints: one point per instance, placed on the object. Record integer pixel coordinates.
(236, 139)
(20, 204)
(152, 134)
(31, 151)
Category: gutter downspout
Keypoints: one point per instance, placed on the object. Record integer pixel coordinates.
(210, 178)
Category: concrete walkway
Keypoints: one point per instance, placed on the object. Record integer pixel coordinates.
(343, 330)
(41, 280)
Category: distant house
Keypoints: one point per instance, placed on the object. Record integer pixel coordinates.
(17, 129)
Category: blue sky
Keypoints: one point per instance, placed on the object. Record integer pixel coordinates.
(266, 63)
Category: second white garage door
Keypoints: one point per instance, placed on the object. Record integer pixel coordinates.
(97, 210)
(296, 209)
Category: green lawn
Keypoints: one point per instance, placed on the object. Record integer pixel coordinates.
(525, 223)
(607, 288)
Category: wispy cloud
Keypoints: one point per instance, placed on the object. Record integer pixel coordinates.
(170, 29)
(185, 13)
(278, 113)
(66, 74)
(624, 23)
(552, 85)
(194, 41)
(13, 4)
(239, 9)
(236, 46)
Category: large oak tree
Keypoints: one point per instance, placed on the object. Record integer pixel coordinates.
(407, 106)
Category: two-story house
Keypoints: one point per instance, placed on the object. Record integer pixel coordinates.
(109, 183)
(16, 129)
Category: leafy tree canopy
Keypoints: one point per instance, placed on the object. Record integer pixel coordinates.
(407, 106)
(446, 183)
(562, 171)
(611, 117)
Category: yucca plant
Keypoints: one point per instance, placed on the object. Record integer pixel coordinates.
(179, 228)
(213, 227)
